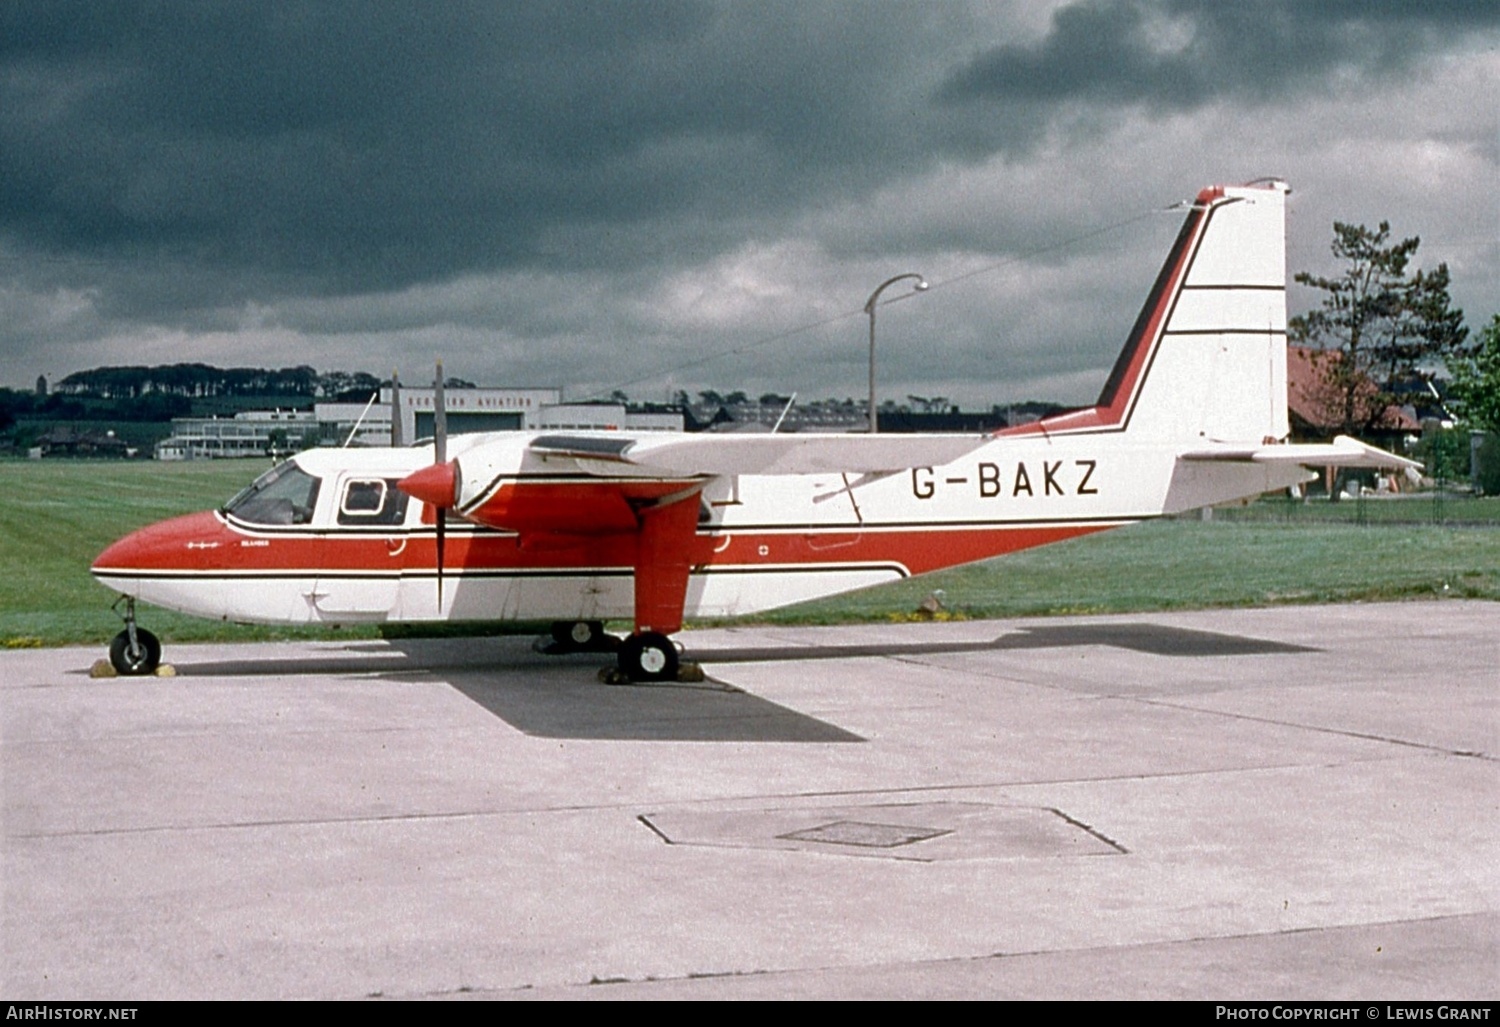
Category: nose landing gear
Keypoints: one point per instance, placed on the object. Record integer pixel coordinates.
(643, 656)
(134, 651)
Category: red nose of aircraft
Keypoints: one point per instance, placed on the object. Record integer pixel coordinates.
(181, 542)
(436, 485)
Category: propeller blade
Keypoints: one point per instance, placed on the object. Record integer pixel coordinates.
(442, 529)
(437, 486)
(396, 440)
(439, 418)
(440, 458)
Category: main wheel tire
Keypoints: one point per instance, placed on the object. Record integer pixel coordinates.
(143, 659)
(649, 656)
(577, 635)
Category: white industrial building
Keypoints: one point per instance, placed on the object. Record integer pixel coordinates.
(254, 433)
(248, 433)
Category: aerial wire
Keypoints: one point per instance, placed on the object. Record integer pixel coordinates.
(933, 284)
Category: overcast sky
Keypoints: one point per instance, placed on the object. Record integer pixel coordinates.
(664, 195)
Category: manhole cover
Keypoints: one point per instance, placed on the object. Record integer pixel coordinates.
(867, 836)
(924, 832)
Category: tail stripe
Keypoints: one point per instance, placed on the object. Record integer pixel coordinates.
(1131, 362)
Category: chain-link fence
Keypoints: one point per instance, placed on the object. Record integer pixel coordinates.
(1444, 506)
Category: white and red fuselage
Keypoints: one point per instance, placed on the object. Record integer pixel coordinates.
(757, 542)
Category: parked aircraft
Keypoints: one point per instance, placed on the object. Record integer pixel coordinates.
(579, 528)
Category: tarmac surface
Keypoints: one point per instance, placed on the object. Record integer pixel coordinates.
(1289, 803)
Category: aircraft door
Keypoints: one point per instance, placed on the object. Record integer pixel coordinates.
(363, 550)
(840, 522)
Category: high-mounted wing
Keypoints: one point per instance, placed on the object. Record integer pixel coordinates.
(709, 455)
(583, 490)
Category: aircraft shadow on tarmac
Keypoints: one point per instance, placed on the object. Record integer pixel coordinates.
(563, 699)
(552, 697)
(676, 712)
(1152, 639)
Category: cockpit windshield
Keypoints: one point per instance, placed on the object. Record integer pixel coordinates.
(284, 495)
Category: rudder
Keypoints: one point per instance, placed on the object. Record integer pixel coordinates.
(1212, 352)
(1206, 360)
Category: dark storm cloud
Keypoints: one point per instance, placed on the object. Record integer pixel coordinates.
(375, 145)
(1180, 54)
(538, 182)
(272, 148)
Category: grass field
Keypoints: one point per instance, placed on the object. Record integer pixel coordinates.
(1167, 565)
(55, 516)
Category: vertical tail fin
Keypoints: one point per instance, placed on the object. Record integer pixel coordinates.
(1206, 361)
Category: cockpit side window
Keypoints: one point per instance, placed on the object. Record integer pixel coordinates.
(283, 496)
(372, 501)
(363, 498)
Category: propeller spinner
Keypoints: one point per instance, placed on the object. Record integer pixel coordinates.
(435, 484)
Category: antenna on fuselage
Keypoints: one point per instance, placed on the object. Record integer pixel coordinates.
(362, 414)
(784, 411)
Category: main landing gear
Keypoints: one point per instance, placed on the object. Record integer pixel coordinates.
(581, 636)
(134, 651)
(644, 656)
(649, 656)
(576, 636)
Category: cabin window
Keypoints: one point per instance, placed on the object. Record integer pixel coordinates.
(283, 496)
(372, 501)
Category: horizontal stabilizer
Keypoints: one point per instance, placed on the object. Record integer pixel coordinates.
(700, 455)
(1341, 452)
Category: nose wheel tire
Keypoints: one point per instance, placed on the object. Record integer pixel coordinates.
(649, 656)
(138, 659)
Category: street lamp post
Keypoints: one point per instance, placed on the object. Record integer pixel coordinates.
(921, 284)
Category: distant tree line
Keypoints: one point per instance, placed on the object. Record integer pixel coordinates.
(158, 394)
(200, 381)
(154, 407)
